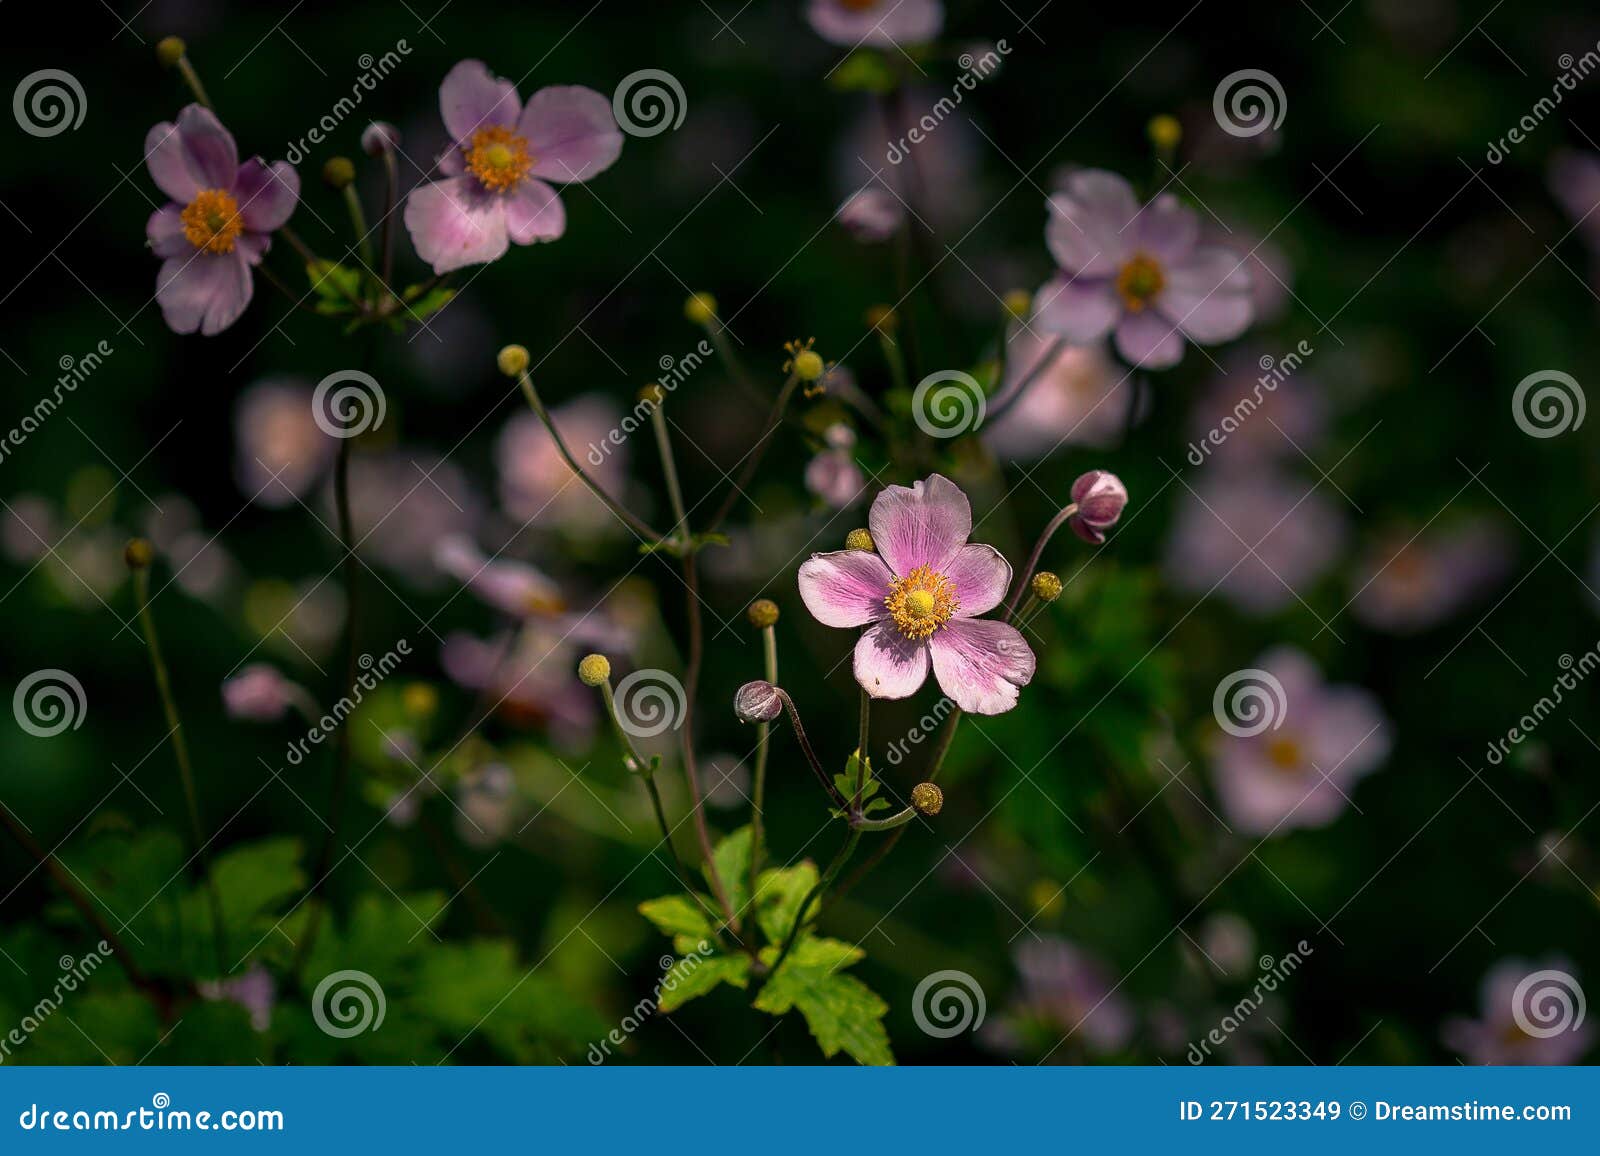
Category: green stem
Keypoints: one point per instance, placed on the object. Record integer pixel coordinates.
(898, 819)
(811, 756)
(861, 752)
(669, 467)
(769, 651)
(753, 458)
(820, 889)
(192, 79)
(358, 221)
(1033, 559)
(1017, 392)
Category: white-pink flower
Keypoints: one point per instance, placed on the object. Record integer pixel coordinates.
(880, 23)
(918, 592)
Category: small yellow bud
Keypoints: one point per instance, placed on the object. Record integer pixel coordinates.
(138, 553)
(170, 50)
(512, 360)
(763, 612)
(927, 798)
(653, 394)
(1019, 303)
(883, 318)
(594, 670)
(808, 365)
(1165, 132)
(419, 699)
(701, 308)
(1046, 897)
(859, 540)
(1046, 586)
(338, 172)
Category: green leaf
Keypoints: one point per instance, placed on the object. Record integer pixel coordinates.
(255, 879)
(843, 1014)
(420, 308)
(694, 976)
(732, 857)
(677, 915)
(336, 286)
(864, 71)
(779, 893)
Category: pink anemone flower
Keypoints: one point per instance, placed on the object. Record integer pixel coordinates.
(879, 23)
(219, 223)
(497, 169)
(918, 592)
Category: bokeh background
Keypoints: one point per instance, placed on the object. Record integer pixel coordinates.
(1089, 873)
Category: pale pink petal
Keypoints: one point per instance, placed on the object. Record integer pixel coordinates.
(1092, 223)
(571, 133)
(1148, 339)
(164, 231)
(1166, 229)
(890, 665)
(1081, 310)
(196, 153)
(981, 578)
(1208, 296)
(267, 194)
(921, 526)
(845, 588)
(534, 213)
(455, 223)
(203, 291)
(253, 246)
(472, 98)
(882, 24)
(981, 663)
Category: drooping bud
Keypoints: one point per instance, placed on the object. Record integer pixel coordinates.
(1165, 132)
(594, 670)
(138, 553)
(701, 308)
(1019, 303)
(927, 798)
(379, 137)
(170, 50)
(338, 172)
(757, 701)
(859, 540)
(1100, 497)
(1046, 586)
(512, 360)
(763, 612)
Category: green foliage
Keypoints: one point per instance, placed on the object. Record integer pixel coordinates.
(846, 786)
(842, 1013)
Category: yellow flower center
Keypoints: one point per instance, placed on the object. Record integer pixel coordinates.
(921, 602)
(1139, 281)
(211, 221)
(1285, 755)
(498, 157)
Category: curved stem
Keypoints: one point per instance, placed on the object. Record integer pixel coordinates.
(753, 458)
(811, 756)
(1016, 392)
(1033, 559)
(358, 222)
(827, 879)
(898, 819)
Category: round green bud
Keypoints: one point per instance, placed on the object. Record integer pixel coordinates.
(594, 670)
(512, 360)
(420, 699)
(927, 798)
(653, 394)
(808, 365)
(170, 50)
(859, 540)
(338, 172)
(1165, 132)
(138, 553)
(701, 308)
(763, 612)
(1046, 586)
(1019, 303)
(883, 318)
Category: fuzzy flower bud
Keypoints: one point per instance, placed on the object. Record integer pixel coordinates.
(1165, 132)
(757, 701)
(927, 798)
(338, 172)
(512, 360)
(859, 540)
(138, 553)
(1019, 303)
(379, 137)
(1100, 497)
(420, 699)
(170, 50)
(594, 670)
(1046, 586)
(808, 365)
(763, 612)
(701, 308)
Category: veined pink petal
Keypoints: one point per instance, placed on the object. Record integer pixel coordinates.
(1208, 296)
(267, 194)
(1149, 340)
(890, 665)
(471, 98)
(1092, 223)
(533, 212)
(981, 663)
(845, 588)
(454, 223)
(1082, 310)
(164, 230)
(921, 526)
(571, 133)
(193, 154)
(1166, 229)
(982, 577)
(203, 291)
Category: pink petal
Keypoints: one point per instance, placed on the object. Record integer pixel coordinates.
(980, 663)
(472, 98)
(1209, 296)
(196, 153)
(1166, 229)
(890, 665)
(884, 24)
(571, 133)
(534, 213)
(1148, 339)
(1091, 223)
(454, 223)
(204, 291)
(1081, 310)
(164, 231)
(981, 576)
(921, 526)
(845, 588)
(267, 194)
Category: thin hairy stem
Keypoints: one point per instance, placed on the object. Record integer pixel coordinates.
(758, 801)
(814, 894)
(1026, 576)
(691, 582)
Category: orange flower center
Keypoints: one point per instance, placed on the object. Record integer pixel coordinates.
(1139, 281)
(921, 602)
(1285, 755)
(498, 157)
(211, 221)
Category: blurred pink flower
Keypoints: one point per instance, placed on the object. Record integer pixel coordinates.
(537, 486)
(280, 451)
(1409, 582)
(402, 503)
(833, 474)
(917, 593)
(1081, 399)
(254, 990)
(1064, 990)
(1271, 273)
(489, 804)
(1259, 539)
(1575, 183)
(510, 586)
(495, 191)
(1293, 762)
(259, 693)
(1530, 1015)
(871, 214)
(878, 23)
(219, 223)
(1137, 272)
(1255, 414)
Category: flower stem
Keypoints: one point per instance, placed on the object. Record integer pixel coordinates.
(192, 79)
(753, 458)
(898, 819)
(769, 651)
(861, 752)
(820, 889)
(180, 751)
(811, 756)
(1016, 393)
(1033, 559)
(358, 221)
(669, 468)
(391, 195)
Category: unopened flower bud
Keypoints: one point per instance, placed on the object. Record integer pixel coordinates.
(927, 798)
(701, 308)
(757, 701)
(859, 540)
(1046, 586)
(512, 360)
(763, 612)
(653, 394)
(594, 669)
(1019, 303)
(1165, 132)
(808, 365)
(1100, 497)
(419, 699)
(138, 553)
(379, 137)
(883, 318)
(170, 50)
(338, 172)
